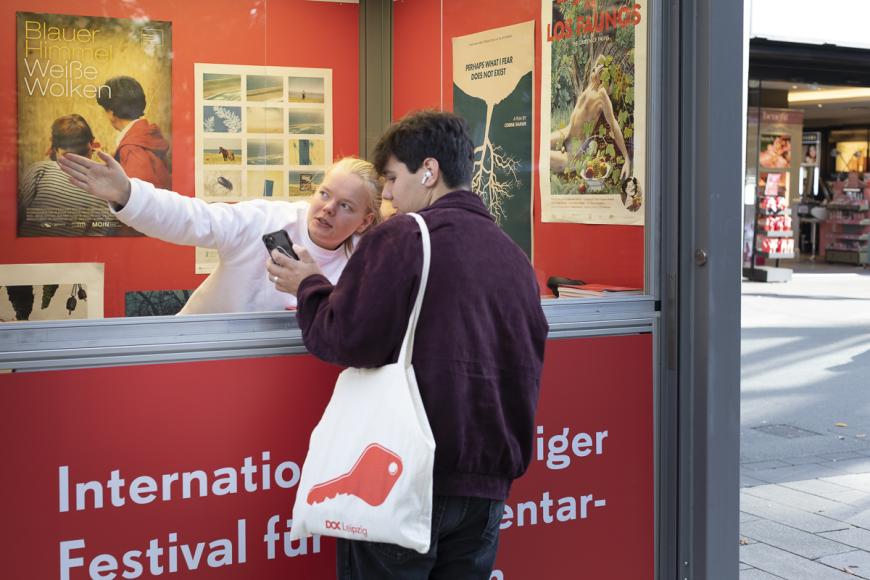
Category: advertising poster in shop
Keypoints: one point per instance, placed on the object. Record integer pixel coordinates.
(593, 113)
(87, 83)
(811, 144)
(191, 469)
(493, 91)
(261, 133)
(772, 191)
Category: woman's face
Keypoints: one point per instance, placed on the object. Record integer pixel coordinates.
(339, 209)
(630, 187)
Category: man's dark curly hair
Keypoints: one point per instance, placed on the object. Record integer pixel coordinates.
(125, 97)
(422, 134)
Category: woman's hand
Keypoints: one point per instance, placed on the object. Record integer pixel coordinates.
(107, 182)
(286, 273)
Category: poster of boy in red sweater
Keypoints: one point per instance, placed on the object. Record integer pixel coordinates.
(142, 151)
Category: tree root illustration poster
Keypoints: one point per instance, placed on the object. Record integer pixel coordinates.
(593, 111)
(493, 89)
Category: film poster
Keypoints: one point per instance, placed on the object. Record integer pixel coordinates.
(493, 89)
(593, 113)
(87, 83)
(262, 132)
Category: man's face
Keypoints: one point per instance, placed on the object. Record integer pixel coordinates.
(338, 209)
(403, 188)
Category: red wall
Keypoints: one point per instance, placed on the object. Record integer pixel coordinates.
(594, 253)
(287, 33)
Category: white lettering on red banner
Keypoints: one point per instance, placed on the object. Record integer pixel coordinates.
(170, 554)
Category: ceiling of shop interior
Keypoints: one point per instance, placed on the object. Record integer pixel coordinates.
(814, 67)
(831, 113)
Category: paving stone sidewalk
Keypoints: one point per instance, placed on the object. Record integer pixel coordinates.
(814, 529)
(805, 454)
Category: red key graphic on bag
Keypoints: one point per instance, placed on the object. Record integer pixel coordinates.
(371, 478)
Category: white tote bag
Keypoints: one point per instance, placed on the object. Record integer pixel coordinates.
(368, 473)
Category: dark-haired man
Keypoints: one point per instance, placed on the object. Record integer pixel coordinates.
(478, 349)
(142, 151)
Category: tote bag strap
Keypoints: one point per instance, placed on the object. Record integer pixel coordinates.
(408, 342)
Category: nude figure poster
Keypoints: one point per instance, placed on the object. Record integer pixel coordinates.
(593, 113)
(87, 83)
(493, 90)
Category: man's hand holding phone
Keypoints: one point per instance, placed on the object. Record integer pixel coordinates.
(288, 264)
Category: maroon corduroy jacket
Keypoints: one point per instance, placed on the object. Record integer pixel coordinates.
(479, 344)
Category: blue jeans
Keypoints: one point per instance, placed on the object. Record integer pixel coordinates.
(464, 544)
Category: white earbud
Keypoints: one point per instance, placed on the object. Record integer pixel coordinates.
(426, 177)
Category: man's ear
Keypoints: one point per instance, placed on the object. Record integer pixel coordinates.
(431, 164)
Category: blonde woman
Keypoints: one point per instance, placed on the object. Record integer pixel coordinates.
(328, 225)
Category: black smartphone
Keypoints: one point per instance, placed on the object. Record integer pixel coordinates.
(280, 241)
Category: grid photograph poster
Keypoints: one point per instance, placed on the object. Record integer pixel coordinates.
(262, 132)
(493, 91)
(593, 113)
(87, 83)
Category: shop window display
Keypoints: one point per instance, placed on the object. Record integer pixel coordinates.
(584, 207)
(560, 158)
(774, 160)
(118, 78)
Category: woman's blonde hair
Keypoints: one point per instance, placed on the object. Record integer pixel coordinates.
(373, 184)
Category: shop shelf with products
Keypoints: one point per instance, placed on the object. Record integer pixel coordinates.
(774, 236)
(847, 228)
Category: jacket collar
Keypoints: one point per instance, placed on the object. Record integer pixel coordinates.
(460, 199)
(126, 130)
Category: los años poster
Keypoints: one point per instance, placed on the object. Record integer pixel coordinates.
(593, 116)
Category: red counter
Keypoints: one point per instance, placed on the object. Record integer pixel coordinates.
(163, 469)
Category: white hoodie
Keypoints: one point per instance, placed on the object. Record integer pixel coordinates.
(240, 283)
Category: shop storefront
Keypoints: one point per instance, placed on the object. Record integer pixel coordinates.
(141, 444)
(806, 193)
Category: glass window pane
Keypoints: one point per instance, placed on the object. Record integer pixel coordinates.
(556, 95)
(217, 102)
